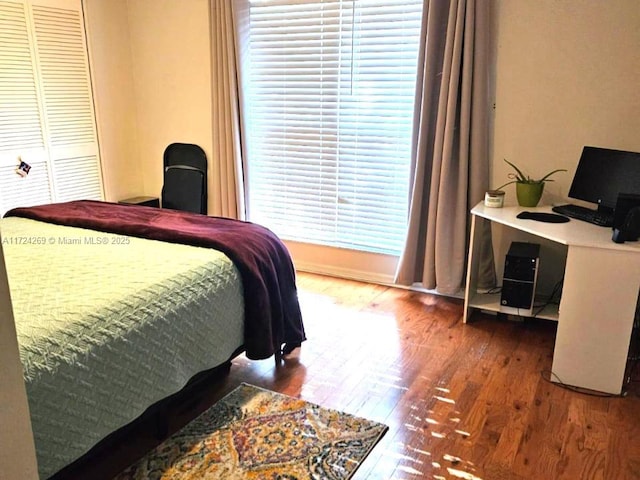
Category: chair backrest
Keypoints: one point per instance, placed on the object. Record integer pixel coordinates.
(185, 178)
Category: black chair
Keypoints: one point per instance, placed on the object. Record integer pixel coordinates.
(185, 178)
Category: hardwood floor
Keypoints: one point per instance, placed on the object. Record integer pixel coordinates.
(461, 401)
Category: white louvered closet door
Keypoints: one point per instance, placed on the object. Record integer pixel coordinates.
(55, 99)
(21, 127)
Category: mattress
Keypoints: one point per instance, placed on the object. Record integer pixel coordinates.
(108, 325)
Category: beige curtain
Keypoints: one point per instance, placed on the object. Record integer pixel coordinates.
(227, 188)
(450, 153)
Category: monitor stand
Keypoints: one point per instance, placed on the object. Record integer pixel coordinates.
(605, 210)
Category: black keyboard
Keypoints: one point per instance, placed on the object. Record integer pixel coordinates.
(602, 219)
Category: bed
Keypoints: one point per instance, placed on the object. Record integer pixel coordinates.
(110, 322)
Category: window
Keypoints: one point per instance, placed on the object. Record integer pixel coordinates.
(46, 105)
(328, 94)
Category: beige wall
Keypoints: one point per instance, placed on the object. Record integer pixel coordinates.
(151, 69)
(566, 75)
(172, 79)
(112, 77)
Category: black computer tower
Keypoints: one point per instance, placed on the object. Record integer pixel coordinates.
(519, 279)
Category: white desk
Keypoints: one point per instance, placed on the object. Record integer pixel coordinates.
(599, 296)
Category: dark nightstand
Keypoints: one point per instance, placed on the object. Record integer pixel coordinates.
(145, 201)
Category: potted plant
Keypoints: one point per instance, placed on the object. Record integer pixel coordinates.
(528, 190)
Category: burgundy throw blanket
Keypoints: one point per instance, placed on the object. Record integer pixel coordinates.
(272, 312)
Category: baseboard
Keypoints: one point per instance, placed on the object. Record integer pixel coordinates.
(352, 265)
(348, 273)
(368, 277)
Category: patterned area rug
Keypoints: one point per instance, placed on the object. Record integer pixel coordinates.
(262, 435)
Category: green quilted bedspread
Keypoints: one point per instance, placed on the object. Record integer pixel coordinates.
(109, 324)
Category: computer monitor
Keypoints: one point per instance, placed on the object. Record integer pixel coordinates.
(603, 173)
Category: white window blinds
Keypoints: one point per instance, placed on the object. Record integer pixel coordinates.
(46, 105)
(328, 96)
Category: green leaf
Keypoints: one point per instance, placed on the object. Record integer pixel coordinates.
(508, 183)
(521, 176)
(551, 173)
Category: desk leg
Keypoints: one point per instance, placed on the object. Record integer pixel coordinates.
(597, 311)
(472, 269)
